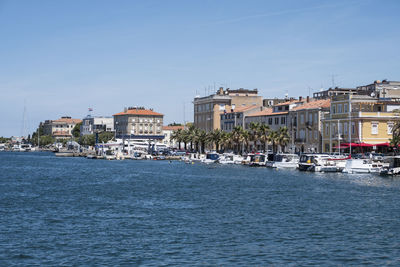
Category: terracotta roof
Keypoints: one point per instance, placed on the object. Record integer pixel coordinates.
(288, 102)
(173, 128)
(243, 108)
(323, 103)
(61, 133)
(265, 112)
(144, 112)
(67, 120)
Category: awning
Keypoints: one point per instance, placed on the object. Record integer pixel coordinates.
(342, 147)
(383, 144)
(358, 145)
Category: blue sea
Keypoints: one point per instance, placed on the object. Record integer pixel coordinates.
(75, 211)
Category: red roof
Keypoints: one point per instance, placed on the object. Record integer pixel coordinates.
(61, 133)
(67, 120)
(143, 112)
(323, 103)
(265, 112)
(173, 128)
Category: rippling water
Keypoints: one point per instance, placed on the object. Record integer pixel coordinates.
(74, 211)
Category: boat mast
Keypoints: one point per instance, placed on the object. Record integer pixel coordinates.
(350, 125)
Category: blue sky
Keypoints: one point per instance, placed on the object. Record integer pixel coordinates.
(62, 57)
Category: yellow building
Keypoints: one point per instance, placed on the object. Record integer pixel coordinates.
(358, 119)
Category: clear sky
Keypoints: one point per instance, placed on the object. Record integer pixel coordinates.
(62, 57)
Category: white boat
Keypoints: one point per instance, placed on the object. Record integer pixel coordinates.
(211, 157)
(257, 160)
(194, 157)
(230, 158)
(318, 163)
(2, 147)
(392, 166)
(362, 166)
(284, 161)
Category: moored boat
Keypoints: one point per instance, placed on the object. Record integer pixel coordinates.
(284, 161)
(392, 166)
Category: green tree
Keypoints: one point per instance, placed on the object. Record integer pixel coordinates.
(105, 137)
(46, 140)
(283, 137)
(76, 131)
(264, 135)
(178, 137)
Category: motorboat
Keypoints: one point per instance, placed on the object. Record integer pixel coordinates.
(211, 157)
(2, 147)
(318, 163)
(363, 166)
(257, 160)
(230, 158)
(284, 161)
(392, 166)
(194, 157)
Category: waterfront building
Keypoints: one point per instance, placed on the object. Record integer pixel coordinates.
(382, 89)
(305, 125)
(275, 117)
(61, 128)
(360, 119)
(236, 117)
(167, 132)
(138, 123)
(91, 125)
(207, 110)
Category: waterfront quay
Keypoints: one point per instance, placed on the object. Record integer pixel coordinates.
(74, 211)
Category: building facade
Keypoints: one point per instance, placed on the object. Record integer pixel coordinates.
(236, 117)
(207, 110)
(61, 128)
(138, 123)
(359, 119)
(305, 125)
(91, 125)
(167, 132)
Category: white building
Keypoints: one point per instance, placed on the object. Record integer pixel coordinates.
(168, 131)
(91, 125)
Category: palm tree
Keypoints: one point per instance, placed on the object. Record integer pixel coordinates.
(226, 140)
(203, 138)
(245, 140)
(273, 137)
(236, 137)
(186, 138)
(283, 137)
(215, 137)
(264, 135)
(178, 137)
(255, 132)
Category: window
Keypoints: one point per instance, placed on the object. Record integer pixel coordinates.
(315, 134)
(327, 130)
(270, 121)
(345, 107)
(316, 117)
(276, 120)
(374, 128)
(310, 117)
(353, 128)
(302, 118)
(283, 120)
(333, 109)
(390, 127)
(345, 128)
(339, 108)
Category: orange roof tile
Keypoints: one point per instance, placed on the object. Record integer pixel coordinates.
(67, 120)
(323, 103)
(265, 112)
(173, 128)
(61, 133)
(143, 112)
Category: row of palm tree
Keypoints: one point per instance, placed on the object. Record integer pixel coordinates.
(238, 140)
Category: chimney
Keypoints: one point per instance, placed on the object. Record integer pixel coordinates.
(300, 98)
(221, 91)
(308, 99)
